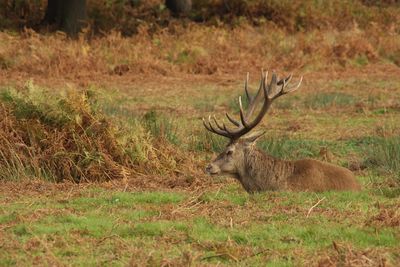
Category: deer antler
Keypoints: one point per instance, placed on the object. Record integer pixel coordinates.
(269, 92)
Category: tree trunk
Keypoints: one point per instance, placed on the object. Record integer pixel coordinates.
(68, 16)
(179, 7)
(51, 12)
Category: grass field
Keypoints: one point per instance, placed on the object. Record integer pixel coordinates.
(350, 117)
(94, 225)
(102, 147)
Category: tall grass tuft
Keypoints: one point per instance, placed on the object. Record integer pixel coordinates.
(161, 126)
(384, 154)
(206, 141)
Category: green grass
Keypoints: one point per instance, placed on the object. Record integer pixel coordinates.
(205, 104)
(384, 155)
(324, 100)
(161, 126)
(206, 141)
(360, 60)
(81, 229)
(229, 194)
(295, 148)
(286, 148)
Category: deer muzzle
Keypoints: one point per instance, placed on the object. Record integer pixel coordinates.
(212, 169)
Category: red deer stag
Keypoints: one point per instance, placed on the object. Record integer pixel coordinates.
(258, 171)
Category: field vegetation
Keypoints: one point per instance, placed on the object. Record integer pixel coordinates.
(102, 148)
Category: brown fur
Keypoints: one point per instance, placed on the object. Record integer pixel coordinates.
(258, 171)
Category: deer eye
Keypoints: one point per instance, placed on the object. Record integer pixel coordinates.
(229, 152)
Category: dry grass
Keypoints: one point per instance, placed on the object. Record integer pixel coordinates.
(300, 35)
(180, 50)
(345, 255)
(62, 138)
(63, 141)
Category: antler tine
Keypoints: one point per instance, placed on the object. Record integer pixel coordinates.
(265, 78)
(269, 92)
(216, 130)
(242, 118)
(263, 83)
(210, 127)
(246, 88)
(284, 83)
(256, 99)
(271, 88)
(295, 87)
(235, 122)
(205, 125)
(285, 80)
(223, 127)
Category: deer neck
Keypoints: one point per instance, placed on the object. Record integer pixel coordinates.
(263, 172)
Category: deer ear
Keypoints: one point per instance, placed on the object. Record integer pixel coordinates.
(254, 137)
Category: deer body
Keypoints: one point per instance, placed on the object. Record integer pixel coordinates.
(262, 172)
(258, 171)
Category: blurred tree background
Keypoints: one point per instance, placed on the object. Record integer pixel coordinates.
(71, 16)
(126, 16)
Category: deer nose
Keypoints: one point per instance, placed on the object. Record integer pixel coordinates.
(208, 168)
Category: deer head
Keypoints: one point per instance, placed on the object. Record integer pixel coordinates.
(232, 159)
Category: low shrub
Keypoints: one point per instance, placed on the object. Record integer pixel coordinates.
(63, 137)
